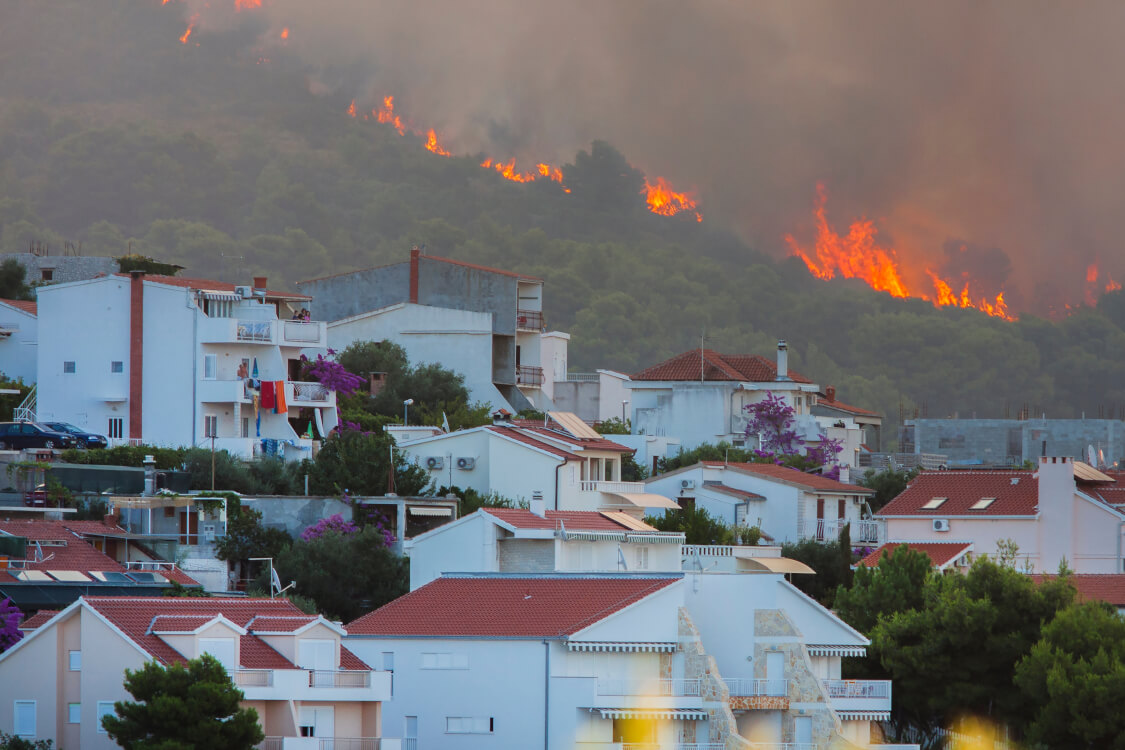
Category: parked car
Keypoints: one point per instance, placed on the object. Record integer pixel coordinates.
(82, 438)
(36, 498)
(20, 435)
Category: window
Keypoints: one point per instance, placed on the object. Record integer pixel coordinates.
(210, 425)
(934, 503)
(116, 427)
(221, 648)
(69, 368)
(983, 503)
(469, 724)
(246, 427)
(388, 661)
(46, 274)
(74, 712)
(117, 366)
(75, 661)
(210, 366)
(105, 708)
(445, 661)
(316, 654)
(642, 558)
(24, 719)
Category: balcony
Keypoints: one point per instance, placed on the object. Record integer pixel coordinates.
(223, 391)
(309, 394)
(612, 487)
(253, 678)
(866, 696)
(304, 333)
(662, 688)
(828, 530)
(755, 687)
(529, 377)
(339, 679)
(336, 743)
(529, 320)
(236, 331)
(313, 685)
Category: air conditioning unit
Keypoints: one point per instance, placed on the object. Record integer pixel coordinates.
(466, 463)
(246, 292)
(687, 484)
(435, 462)
(941, 524)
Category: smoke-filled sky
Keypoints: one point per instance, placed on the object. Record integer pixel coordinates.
(996, 127)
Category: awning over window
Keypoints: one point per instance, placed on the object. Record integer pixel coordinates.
(421, 511)
(647, 713)
(222, 296)
(776, 565)
(648, 500)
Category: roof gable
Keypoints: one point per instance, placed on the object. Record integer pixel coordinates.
(812, 482)
(24, 306)
(573, 520)
(941, 554)
(709, 365)
(1016, 493)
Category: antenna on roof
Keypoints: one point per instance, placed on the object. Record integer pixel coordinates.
(39, 554)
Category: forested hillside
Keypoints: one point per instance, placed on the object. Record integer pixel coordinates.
(112, 133)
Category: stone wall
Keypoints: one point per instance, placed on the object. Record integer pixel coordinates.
(699, 665)
(527, 556)
(63, 268)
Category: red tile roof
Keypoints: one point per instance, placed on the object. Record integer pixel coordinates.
(1102, 587)
(574, 520)
(940, 553)
(348, 660)
(964, 489)
(475, 266)
(506, 607)
(280, 624)
(134, 616)
(77, 554)
(38, 619)
(179, 623)
(515, 434)
(94, 528)
(25, 305)
(592, 444)
(822, 400)
(814, 482)
(749, 368)
(733, 492)
(218, 286)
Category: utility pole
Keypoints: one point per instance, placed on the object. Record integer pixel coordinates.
(212, 463)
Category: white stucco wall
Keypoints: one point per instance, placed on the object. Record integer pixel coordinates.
(19, 352)
(464, 546)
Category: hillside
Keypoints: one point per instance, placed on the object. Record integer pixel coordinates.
(111, 133)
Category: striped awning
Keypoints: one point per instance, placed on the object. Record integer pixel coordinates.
(622, 647)
(596, 536)
(682, 714)
(837, 650)
(223, 296)
(864, 715)
(656, 538)
(415, 510)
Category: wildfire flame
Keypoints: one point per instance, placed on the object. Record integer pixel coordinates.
(387, 115)
(664, 201)
(433, 145)
(857, 255)
(1093, 287)
(285, 33)
(247, 4)
(187, 34)
(508, 171)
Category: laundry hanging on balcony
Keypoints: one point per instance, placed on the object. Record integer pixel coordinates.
(269, 400)
(279, 397)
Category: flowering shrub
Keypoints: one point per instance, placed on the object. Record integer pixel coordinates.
(10, 618)
(331, 374)
(369, 517)
(334, 524)
(772, 420)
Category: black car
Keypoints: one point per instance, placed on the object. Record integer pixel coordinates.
(82, 438)
(20, 435)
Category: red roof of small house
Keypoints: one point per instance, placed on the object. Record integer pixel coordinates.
(1016, 493)
(592, 444)
(732, 491)
(814, 482)
(26, 306)
(94, 528)
(749, 368)
(526, 439)
(210, 284)
(940, 553)
(507, 606)
(37, 619)
(823, 400)
(283, 624)
(574, 520)
(1101, 587)
(136, 617)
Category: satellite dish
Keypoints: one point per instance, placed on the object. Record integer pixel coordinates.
(1091, 458)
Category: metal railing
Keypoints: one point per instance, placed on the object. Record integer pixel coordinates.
(606, 486)
(25, 412)
(681, 687)
(351, 743)
(309, 391)
(582, 377)
(150, 565)
(302, 330)
(253, 677)
(857, 688)
(271, 743)
(747, 687)
(784, 745)
(528, 375)
(254, 330)
(828, 529)
(326, 678)
(529, 320)
(409, 743)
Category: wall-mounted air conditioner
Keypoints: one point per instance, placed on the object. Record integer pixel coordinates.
(687, 484)
(466, 463)
(941, 524)
(435, 462)
(246, 292)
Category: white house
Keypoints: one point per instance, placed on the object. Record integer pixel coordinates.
(293, 668)
(172, 361)
(788, 505)
(563, 462)
(19, 339)
(701, 397)
(593, 396)
(1065, 510)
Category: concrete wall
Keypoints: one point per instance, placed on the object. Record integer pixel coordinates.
(463, 288)
(64, 268)
(527, 556)
(295, 514)
(19, 352)
(464, 546)
(347, 294)
(579, 397)
(994, 440)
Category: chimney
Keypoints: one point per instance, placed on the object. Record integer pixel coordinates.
(782, 360)
(830, 393)
(538, 505)
(415, 253)
(136, 351)
(1056, 512)
(112, 519)
(260, 282)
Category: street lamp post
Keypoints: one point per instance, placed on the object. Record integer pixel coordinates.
(406, 411)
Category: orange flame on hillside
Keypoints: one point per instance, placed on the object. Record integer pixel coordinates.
(508, 171)
(1093, 287)
(187, 34)
(857, 255)
(387, 115)
(664, 201)
(432, 144)
(351, 109)
(247, 4)
(285, 33)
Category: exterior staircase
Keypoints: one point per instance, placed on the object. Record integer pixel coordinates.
(25, 412)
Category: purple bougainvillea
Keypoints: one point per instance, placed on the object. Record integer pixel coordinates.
(332, 375)
(10, 618)
(334, 524)
(369, 517)
(772, 420)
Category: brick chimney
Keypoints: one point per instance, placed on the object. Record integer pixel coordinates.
(260, 282)
(415, 253)
(830, 393)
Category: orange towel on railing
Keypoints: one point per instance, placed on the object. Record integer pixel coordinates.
(268, 390)
(279, 398)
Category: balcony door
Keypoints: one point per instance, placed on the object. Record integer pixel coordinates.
(775, 673)
(802, 730)
(317, 721)
(317, 654)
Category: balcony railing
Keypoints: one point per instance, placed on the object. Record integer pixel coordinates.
(529, 376)
(325, 678)
(336, 743)
(828, 530)
(309, 391)
(351, 743)
(303, 332)
(649, 687)
(784, 746)
(253, 678)
(857, 688)
(601, 486)
(260, 331)
(746, 687)
(529, 320)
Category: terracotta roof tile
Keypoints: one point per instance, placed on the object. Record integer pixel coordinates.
(26, 306)
(749, 368)
(593, 444)
(963, 489)
(512, 607)
(179, 623)
(515, 434)
(940, 553)
(38, 619)
(814, 482)
(1102, 587)
(349, 660)
(574, 520)
(822, 400)
(254, 653)
(218, 286)
(286, 624)
(77, 554)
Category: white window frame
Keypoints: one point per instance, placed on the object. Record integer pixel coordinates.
(470, 725)
(74, 661)
(103, 711)
(19, 729)
(641, 558)
(74, 713)
(210, 366)
(210, 425)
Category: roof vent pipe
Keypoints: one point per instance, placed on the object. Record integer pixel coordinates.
(782, 360)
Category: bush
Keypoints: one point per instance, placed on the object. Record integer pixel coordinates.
(127, 455)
